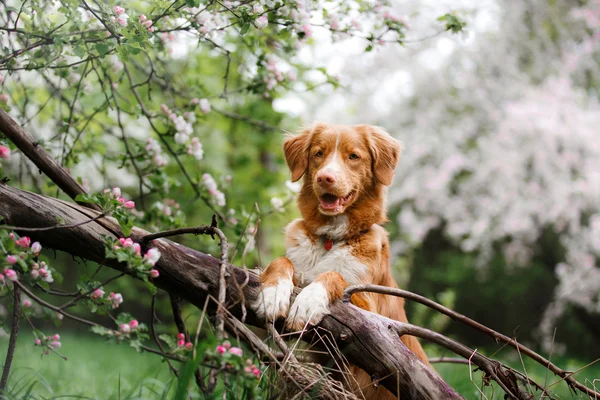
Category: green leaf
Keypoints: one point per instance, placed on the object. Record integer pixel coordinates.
(79, 51)
(102, 49)
(169, 340)
(100, 330)
(245, 28)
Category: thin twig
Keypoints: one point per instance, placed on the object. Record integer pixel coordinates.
(155, 336)
(49, 228)
(12, 342)
(472, 323)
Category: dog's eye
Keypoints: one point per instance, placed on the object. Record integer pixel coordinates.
(319, 154)
(354, 156)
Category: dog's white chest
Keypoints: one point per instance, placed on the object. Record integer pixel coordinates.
(310, 260)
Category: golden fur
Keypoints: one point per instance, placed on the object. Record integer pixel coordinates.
(346, 170)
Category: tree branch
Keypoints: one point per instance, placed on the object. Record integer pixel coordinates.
(40, 157)
(474, 324)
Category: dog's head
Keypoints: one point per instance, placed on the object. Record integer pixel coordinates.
(342, 164)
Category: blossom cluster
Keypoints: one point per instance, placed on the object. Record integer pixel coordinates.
(274, 74)
(155, 151)
(129, 327)
(22, 255)
(126, 250)
(213, 191)
(119, 16)
(115, 193)
(182, 123)
(182, 343)
(48, 343)
(226, 349)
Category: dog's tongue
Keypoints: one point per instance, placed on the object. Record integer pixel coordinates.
(329, 201)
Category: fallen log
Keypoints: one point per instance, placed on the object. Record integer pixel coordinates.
(367, 340)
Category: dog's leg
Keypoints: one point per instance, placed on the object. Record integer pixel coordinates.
(312, 304)
(277, 285)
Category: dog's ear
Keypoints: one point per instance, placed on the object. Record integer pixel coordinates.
(386, 151)
(295, 149)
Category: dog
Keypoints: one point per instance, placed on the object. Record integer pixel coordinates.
(339, 241)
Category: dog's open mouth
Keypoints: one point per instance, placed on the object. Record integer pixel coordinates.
(332, 202)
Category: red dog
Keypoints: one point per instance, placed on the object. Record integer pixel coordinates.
(339, 240)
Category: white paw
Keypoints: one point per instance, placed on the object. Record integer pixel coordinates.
(274, 301)
(311, 305)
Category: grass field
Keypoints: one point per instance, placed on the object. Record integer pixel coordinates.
(96, 369)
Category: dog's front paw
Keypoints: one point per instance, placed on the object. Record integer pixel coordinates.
(310, 306)
(274, 301)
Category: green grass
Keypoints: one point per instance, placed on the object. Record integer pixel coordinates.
(96, 369)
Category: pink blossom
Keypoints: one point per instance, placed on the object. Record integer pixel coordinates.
(227, 344)
(261, 22)
(180, 336)
(97, 294)
(134, 324)
(38, 342)
(152, 256)
(125, 328)
(195, 101)
(221, 349)
(116, 192)
(36, 247)
(181, 343)
(189, 345)
(307, 31)
(129, 204)
(118, 10)
(204, 106)
(3, 98)
(256, 372)
(34, 273)
(11, 259)
(55, 345)
(126, 242)
(116, 299)
(4, 153)
(147, 23)
(56, 337)
(236, 351)
(11, 275)
(257, 9)
(143, 18)
(165, 109)
(137, 249)
(24, 241)
(154, 273)
(27, 303)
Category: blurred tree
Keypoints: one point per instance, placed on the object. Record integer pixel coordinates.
(497, 194)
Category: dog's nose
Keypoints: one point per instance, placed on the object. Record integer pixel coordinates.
(325, 179)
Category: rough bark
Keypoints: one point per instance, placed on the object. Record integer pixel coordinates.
(365, 339)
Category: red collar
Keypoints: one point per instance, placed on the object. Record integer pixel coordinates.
(328, 244)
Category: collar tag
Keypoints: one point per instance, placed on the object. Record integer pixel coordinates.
(328, 244)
